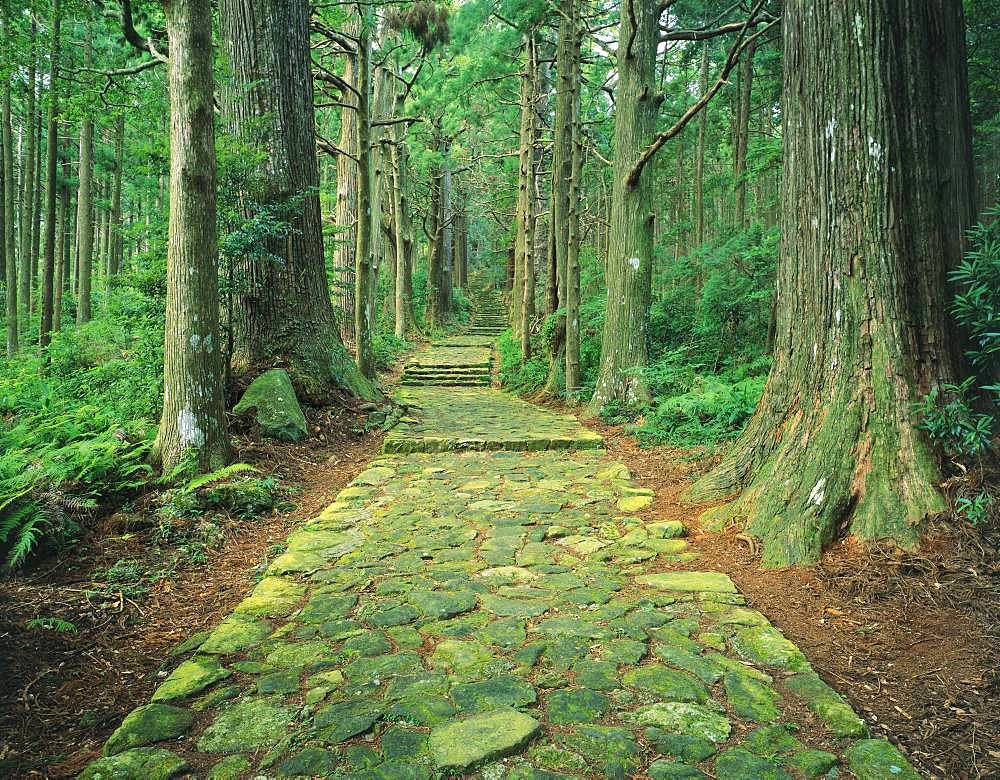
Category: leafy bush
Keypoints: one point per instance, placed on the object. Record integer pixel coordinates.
(387, 348)
(515, 375)
(713, 410)
(977, 300)
(948, 417)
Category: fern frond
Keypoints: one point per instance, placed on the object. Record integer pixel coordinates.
(219, 475)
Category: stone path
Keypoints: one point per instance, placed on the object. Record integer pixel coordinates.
(492, 614)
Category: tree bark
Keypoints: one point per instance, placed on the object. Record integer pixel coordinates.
(346, 213)
(570, 294)
(85, 202)
(699, 169)
(364, 292)
(25, 281)
(524, 282)
(61, 271)
(115, 249)
(48, 261)
(8, 195)
(875, 206)
(624, 345)
(193, 424)
(282, 315)
(743, 134)
(403, 230)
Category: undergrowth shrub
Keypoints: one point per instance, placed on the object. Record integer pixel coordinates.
(515, 375)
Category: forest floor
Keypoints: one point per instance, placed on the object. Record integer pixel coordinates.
(906, 639)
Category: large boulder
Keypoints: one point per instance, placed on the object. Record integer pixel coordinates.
(271, 399)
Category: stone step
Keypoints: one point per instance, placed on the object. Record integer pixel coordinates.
(482, 375)
(444, 382)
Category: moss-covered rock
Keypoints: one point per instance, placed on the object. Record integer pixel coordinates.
(751, 699)
(841, 718)
(876, 759)
(673, 770)
(235, 633)
(667, 684)
(143, 763)
(502, 691)
(189, 678)
(147, 725)
(467, 743)
(271, 400)
(246, 727)
(229, 768)
(689, 582)
(682, 718)
(740, 764)
(766, 646)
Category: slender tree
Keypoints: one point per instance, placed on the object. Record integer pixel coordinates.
(115, 247)
(193, 424)
(85, 199)
(877, 197)
(8, 194)
(364, 282)
(26, 279)
(49, 260)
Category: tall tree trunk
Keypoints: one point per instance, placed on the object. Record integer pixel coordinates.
(876, 202)
(115, 217)
(60, 273)
(433, 313)
(403, 230)
(193, 422)
(85, 202)
(564, 142)
(743, 134)
(624, 345)
(282, 313)
(25, 282)
(8, 194)
(346, 214)
(699, 169)
(364, 293)
(36, 208)
(445, 235)
(524, 282)
(49, 260)
(571, 278)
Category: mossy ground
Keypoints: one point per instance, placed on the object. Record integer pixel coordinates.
(446, 594)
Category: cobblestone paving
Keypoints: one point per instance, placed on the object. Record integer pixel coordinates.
(495, 615)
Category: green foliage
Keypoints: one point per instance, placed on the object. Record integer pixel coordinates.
(387, 348)
(218, 476)
(975, 509)
(977, 300)
(712, 411)
(515, 374)
(948, 416)
(52, 624)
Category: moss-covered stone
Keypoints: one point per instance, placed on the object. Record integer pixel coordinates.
(689, 582)
(272, 597)
(580, 705)
(497, 692)
(346, 719)
(831, 708)
(311, 762)
(229, 768)
(464, 659)
(189, 678)
(143, 763)
(673, 770)
(235, 633)
(441, 605)
(766, 646)
(740, 764)
(667, 684)
(751, 699)
(270, 398)
(683, 747)
(148, 725)
(467, 743)
(876, 759)
(613, 751)
(247, 726)
(682, 718)
(813, 763)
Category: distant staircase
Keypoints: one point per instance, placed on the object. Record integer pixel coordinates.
(489, 315)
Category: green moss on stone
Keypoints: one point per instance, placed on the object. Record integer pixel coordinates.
(247, 726)
(464, 744)
(189, 678)
(147, 725)
(146, 763)
(271, 399)
(876, 759)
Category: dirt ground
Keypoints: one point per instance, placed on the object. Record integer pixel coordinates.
(911, 640)
(62, 694)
